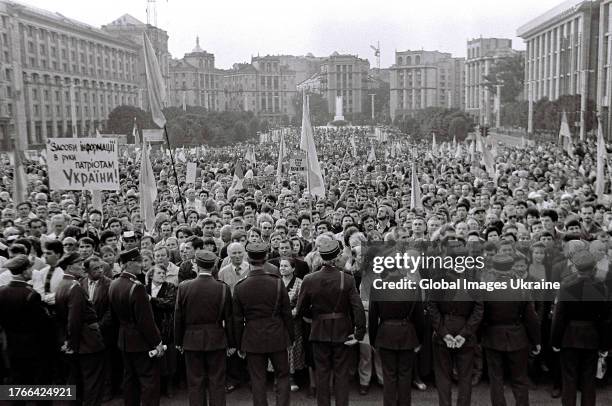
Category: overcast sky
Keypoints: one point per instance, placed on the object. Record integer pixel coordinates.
(235, 30)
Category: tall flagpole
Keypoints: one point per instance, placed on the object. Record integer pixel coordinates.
(306, 100)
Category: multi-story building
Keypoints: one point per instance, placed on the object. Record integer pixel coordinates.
(604, 66)
(265, 86)
(482, 54)
(342, 75)
(194, 81)
(131, 29)
(421, 79)
(59, 76)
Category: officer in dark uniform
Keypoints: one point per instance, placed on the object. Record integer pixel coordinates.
(263, 325)
(26, 324)
(510, 327)
(330, 298)
(83, 342)
(138, 334)
(203, 330)
(455, 318)
(396, 328)
(581, 329)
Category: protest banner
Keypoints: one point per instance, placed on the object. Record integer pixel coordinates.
(190, 177)
(83, 163)
(153, 136)
(297, 164)
(121, 138)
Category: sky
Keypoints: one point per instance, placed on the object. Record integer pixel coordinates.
(235, 30)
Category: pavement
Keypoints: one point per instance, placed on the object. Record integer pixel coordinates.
(480, 397)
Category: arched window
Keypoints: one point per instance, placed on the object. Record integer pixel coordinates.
(417, 60)
(399, 60)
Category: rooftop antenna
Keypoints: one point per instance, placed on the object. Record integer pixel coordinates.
(376, 53)
(152, 12)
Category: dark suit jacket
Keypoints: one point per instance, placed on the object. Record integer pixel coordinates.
(453, 314)
(24, 320)
(321, 295)
(201, 321)
(101, 305)
(396, 325)
(77, 317)
(137, 329)
(259, 328)
(187, 271)
(581, 318)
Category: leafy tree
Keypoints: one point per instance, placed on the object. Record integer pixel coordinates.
(121, 121)
(319, 113)
(510, 73)
(458, 128)
(240, 131)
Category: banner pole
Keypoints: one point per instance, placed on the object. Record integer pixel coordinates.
(175, 175)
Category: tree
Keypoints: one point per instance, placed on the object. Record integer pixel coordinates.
(319, 113)
(458, 128)
(240, 131)
(508, 72)
(381, 103)
(121, 120)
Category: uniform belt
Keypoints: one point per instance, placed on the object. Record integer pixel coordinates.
(395, 322)
(198, 325)
(330, 316)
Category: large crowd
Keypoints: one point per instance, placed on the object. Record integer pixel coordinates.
(247, 276)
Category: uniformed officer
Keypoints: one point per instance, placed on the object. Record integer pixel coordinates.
(510, 327)
(396, 328)
(203, 330)
(83, 342)
(26, 324)
(455, 317)
(263, 325)
(330, 298)
(581, 329)
(138, 334)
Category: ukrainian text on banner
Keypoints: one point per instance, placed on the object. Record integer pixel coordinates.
(83, 163)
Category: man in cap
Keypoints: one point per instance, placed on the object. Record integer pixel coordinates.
(455, 317)
(138, 334)
(19, 302)
(510, 328)
(203, 331)
(330, 298)
(263, 325)
(581, 329)
(83, 343)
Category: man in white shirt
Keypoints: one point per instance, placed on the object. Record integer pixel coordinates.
(237, 269)
(44, 283)
(161, 257)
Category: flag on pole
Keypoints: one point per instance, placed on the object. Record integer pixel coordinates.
(457, 151)
(135, 134)
(237, 182)
(184, 100)
(181, 156)
(415, 189)
(601, 162)
(20, 181)
(565, 136)
(147, 190)
(353, 146)
(434, 146)
(250, 155)
(371, 154)
(155, 82)
(282, 154)
(314, 176)
(487, 158)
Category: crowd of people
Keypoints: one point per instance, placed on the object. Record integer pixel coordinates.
(250, 280)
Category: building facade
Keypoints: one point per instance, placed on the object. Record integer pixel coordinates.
(59, 76)
(194, 81)
(421, 79)
(604, 66)
(264, 86)
(482, 54)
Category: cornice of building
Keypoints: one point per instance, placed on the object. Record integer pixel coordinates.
(555, 15)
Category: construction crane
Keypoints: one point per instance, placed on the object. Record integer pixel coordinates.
(376, 53)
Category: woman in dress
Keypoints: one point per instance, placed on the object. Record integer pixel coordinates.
(163, 299)
(296, 351)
